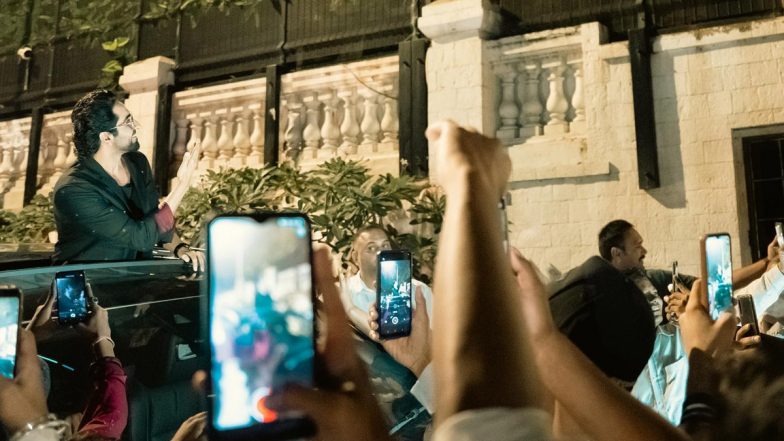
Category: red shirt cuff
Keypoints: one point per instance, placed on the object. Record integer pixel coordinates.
(164, 218)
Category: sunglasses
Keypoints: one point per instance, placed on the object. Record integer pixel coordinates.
(128, 121)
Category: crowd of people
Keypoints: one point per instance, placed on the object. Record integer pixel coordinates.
(610, 351)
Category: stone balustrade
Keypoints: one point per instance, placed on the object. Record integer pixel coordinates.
(56, 152)
(540, 83)
(342, 110)
(14, 142)
(227, 119)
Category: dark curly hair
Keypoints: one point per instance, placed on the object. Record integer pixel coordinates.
(92, 115)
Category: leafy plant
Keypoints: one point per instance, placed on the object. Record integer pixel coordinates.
(339, 196)
(32, 224)
(120, 56)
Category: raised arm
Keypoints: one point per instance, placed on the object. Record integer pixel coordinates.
(749, 273)
(482, 356)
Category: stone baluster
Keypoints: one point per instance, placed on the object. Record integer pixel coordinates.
(370, 126)
(508, 111)
(225, 143)
(312, 133)
(241, 140)
(531, 116)
(293, 134)
(578, 99)
(349, 128)
(42, 153)
(390, 125)
(20, 156)
(180, 145)
(71, 159)
(557, 105)
(330, 132)
(209, 145)
(46, 155)
(61, 156)
(256, 157)
(6, 165)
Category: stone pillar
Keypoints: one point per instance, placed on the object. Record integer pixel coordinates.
(460, 79)
(142, 80)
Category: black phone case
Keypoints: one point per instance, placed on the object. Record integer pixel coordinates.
(748, 314)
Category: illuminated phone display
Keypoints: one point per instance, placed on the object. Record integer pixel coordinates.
(261, 317)
(394, 292)
(718, 261)
(9, 330)
(72, 306)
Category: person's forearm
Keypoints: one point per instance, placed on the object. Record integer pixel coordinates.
(749, 273)
(602, 409)
(481, 355)
(174, 198)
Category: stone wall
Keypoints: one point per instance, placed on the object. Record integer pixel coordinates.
(709, 84)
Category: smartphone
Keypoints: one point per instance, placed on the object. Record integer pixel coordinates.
(10, 314)
(716, 271)
(73, 306)
(261, 322)
(393, 294)
(748, 313)
(779, 234)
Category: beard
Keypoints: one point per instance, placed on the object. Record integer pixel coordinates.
(133, 146)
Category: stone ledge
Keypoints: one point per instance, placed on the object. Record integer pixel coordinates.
(553, 158)
(448, 21)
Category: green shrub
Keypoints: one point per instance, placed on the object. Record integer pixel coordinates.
(31, 225)
(339, 196)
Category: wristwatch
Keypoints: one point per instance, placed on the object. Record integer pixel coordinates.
(180, 246)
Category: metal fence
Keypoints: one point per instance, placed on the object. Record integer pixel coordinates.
(213, 45)
(619, 16)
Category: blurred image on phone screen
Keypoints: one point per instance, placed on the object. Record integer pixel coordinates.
(394, 294)
(718, 261)
(261, 316)
(71, 297)
(9, 331)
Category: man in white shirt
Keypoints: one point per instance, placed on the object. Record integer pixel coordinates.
(359, 297)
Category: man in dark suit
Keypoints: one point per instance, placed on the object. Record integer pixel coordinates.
(106, 206)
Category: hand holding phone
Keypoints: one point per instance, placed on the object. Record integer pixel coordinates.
(748, 314)
(10, 314)
(25, 393)
(261, 322)
(394, 294)
(72, 301)
(716, 268)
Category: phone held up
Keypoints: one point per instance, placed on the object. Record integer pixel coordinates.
(716, 269)
(73, 305)
(261, 322)
(10, 315)
(393, 294)
(748, 314)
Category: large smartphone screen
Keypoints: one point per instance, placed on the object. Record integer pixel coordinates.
(261, 315)
(9, 324)
(718, 261)
(394, 295)
(71, 296)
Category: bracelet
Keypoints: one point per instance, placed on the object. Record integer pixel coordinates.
(45, 423)
(102, 338)
(178, 247)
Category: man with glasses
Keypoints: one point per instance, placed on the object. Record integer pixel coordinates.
(106, 206)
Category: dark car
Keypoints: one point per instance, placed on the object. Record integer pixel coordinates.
(156, 312)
